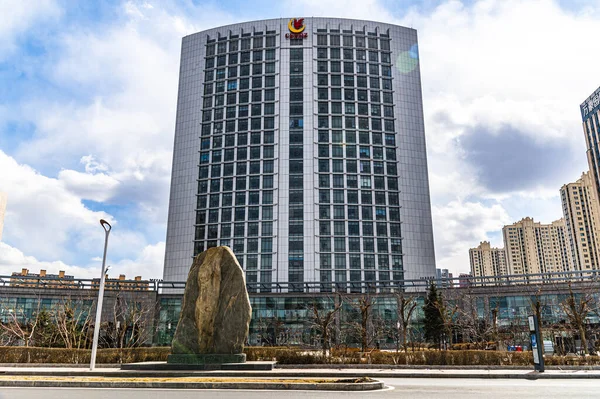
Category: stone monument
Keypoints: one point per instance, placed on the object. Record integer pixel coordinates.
(215, 312)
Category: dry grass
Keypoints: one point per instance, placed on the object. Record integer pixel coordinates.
(190, 379)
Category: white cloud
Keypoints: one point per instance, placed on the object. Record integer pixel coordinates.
(13, 260)
(42, 216)
(459, 226)
(19, 16)
(148, 264)
(490, 63)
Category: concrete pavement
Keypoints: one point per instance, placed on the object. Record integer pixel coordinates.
(400, 388)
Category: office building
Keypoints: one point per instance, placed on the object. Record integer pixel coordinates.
(590, 115)
(532, 247)
(581, 211)
(300, 144)
(487, 261)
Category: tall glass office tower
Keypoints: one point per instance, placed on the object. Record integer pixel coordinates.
(590, 115)
(300, 144)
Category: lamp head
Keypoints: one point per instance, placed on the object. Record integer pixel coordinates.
(105, 225)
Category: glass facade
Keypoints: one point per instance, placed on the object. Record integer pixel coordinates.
(238, 144)
(310, 155)
(289, 319)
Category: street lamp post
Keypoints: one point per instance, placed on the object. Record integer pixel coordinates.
(107, 227)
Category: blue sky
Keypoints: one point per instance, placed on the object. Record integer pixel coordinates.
(88, 106)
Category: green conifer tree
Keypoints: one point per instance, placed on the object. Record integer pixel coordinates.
(433, 323)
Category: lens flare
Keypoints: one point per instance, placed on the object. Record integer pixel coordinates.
(407, 61)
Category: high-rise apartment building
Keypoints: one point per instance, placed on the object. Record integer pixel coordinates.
(300, 144)
(590, 115)
(444, 278)
(581, 211)
(532, 247)
(487, 261)
(3, 201)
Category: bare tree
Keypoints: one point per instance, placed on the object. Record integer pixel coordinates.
(448, 312)
(129, 325)
(272, 331)
(322, 320)
(576, 308)
(405, 307)
(473, 326)
(365, 326)
(73, 321)
(21, 328)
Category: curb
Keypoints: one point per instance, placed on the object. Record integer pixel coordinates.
(361, 386)
(427, 367)
(326, 366)
(531, 375)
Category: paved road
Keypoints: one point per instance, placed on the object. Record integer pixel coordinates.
(418, 388)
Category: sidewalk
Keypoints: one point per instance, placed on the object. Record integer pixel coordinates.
(302, 372)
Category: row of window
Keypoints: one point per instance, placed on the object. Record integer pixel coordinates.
(239, 58)
(349, 68)
(361, 81)
(297, 95)
(254, 169)
(340, 261)
(229, 140)
(353, 245)
(295, 182)
(264, 123)
(350, 81)
(350, 107)
(215, 184)
(242, 183)
(262, 245)
(335, 122)
(240, 214)
(244, 97)
(253, 198)
(244, 70)
(243, 44)
(349, 137)
(243, 110)
(342, 282)
(243, 153)
(296, 212)
(335, 53)
(350, 196)
(354, 229)
(238, 230)
(266, 246)
(296, 122)
(376, 96)
(244, 83)
(353, 41)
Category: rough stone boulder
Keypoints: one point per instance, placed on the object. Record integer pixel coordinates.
(216, 312)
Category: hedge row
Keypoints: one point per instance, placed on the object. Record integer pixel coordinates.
(20, 354)
(11, 354)
(425, 358)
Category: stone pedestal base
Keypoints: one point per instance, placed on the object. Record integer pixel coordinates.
(212, 358)
(192, 367)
